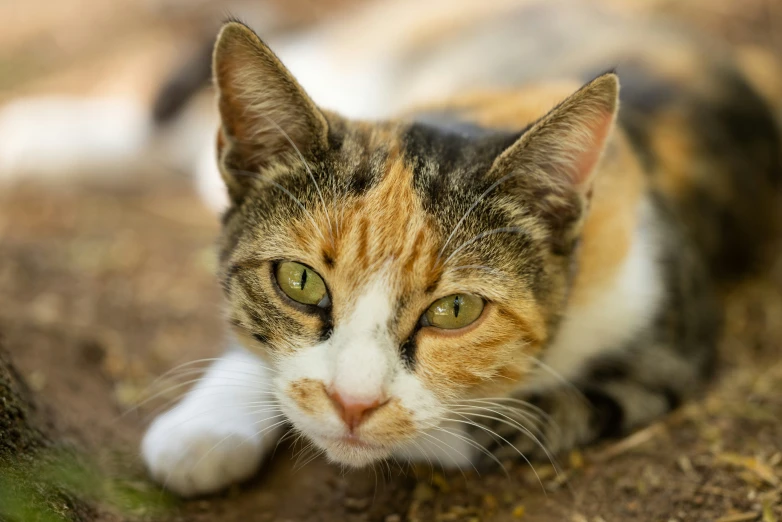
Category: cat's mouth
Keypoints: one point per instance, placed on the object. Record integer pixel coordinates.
(355, 441)
(352, 450)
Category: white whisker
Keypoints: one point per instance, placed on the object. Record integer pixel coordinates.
(475, 445)
(503, 230)
(493, 270)
(471, 208)
(309, 171)
(287, 192)
(500, 437)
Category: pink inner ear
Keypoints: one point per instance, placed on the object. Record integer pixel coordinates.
(585, 161)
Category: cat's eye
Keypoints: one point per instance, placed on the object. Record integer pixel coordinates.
(302, 284)
(454, 311)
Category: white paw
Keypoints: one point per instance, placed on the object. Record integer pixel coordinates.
(195, 454)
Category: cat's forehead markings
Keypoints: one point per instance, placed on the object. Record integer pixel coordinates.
(385, 229)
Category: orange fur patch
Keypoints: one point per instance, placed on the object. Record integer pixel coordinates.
(310, 395)
(618, 185)
(390, 422)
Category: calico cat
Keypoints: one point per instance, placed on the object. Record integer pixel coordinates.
(511, 272)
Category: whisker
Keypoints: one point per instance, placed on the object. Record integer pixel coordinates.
(169, 402)
(524, 416)
(424, 452)
(493, 270)
(535, 435)
(208, 411)
(265, 409)
(388, 468)
(442, 443)
(182, 366)
(398, 465)
(270, 402)
(285, 436)
(470, 209)
(494, 433)
(309, 171)
(317, 452)
(210, 369)
(374, 492)
(477, 446)
(512, 423)
(559, 377)
(514, 400)
(183, 370)
(503, 230)
(240, 379)
(287, 192)
(533, 417)
(254, 364)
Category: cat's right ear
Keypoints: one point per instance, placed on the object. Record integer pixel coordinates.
(266, 116)
(553, 164)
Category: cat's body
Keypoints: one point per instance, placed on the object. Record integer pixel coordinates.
(595, 248)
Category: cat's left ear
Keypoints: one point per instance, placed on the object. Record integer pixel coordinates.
(266, 115)
(553, 163)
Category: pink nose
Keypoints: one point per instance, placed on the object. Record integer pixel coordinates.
(354, 411)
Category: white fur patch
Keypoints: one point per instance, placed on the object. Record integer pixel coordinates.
(357, 361)
(362, 353)
(53, 137)
(360, 361)
(219, 433)
(613, 316)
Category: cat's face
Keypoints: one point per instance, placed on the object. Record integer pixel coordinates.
(390, 272)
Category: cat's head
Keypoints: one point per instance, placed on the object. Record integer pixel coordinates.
(390, 271)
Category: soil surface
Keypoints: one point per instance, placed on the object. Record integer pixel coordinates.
(103, 289)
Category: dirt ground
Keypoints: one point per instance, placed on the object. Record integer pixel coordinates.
(103, 288)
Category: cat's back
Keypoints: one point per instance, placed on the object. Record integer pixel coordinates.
(707, 141)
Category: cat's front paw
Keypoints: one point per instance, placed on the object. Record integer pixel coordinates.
(192, 453)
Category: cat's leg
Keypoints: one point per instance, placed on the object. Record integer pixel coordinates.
(220, 432)
(624, 387)
(618, 395)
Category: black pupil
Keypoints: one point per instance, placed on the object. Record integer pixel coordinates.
(303, 279)
(457, 303)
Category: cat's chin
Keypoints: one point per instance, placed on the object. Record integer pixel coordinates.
(353, 452)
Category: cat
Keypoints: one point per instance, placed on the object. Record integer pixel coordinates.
(512, 271)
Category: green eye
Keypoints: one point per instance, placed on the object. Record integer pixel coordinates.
(454, 311)
(301, 283)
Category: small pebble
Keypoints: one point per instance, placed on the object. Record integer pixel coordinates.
(36, 380)
(439, 481)
(423, 492)
(355, 504)
(576, 459)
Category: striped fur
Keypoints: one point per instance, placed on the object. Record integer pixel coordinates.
(597, 224)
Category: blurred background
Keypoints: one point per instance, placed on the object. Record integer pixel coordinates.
(127, 47)
(106, 271)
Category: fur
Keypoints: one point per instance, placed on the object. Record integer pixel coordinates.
(596, 223)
